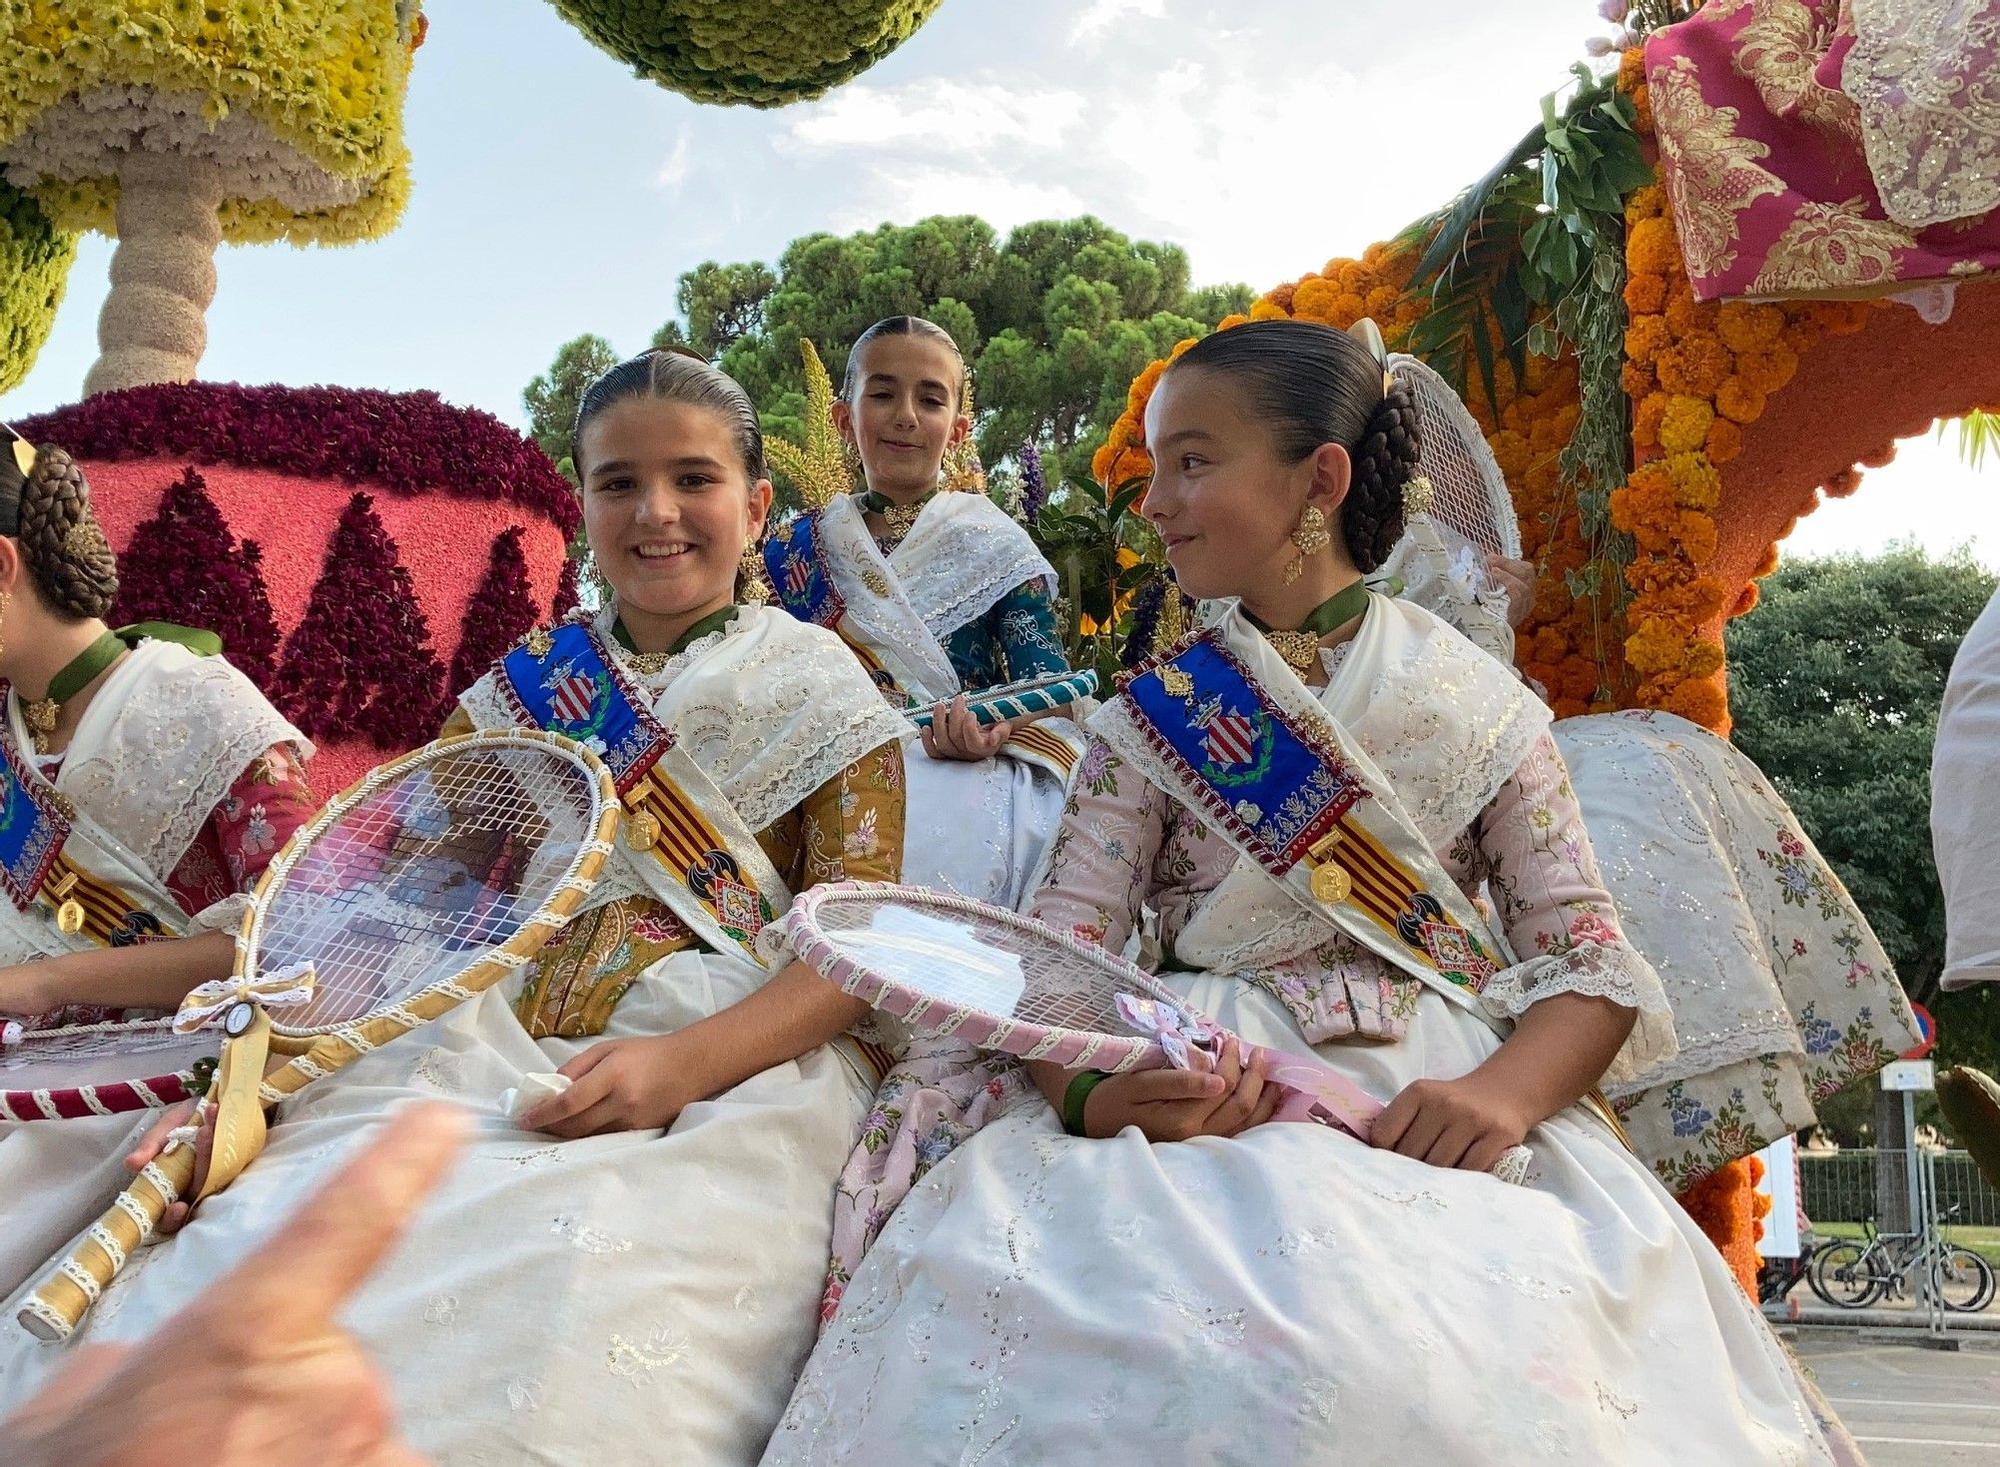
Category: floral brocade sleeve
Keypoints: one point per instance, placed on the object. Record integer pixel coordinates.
(1025, 622)
(1531, 845)
(270, 799)
(1100, 864)
(849, 829)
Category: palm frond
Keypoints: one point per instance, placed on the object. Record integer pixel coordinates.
(1978, 435)
(817, 468)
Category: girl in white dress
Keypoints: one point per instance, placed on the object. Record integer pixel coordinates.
(632, 1267)
(1309, 793)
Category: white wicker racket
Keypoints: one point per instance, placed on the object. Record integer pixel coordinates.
(431, 879)
(1468, 492)
(948, 965)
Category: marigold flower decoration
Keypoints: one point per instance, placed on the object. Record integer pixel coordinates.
(1698, 375)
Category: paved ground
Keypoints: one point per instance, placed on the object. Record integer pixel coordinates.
(1909, 1406)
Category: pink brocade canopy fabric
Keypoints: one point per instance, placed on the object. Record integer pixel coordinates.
(1763, 155)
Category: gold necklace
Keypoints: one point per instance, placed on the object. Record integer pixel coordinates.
(1299, 649)
(900, 518)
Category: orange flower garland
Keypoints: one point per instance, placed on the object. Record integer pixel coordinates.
(1699, 374)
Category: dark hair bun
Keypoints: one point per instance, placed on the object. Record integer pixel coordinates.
(1384, 459)
(61, 541)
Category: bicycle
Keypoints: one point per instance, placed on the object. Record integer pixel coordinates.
(1777, 1277)
(1852, 1274)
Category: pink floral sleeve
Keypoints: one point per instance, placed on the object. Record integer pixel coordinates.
(1101, 861)
(271, 799)
(1531, 846)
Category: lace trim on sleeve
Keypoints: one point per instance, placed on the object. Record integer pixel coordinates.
(1600, 970)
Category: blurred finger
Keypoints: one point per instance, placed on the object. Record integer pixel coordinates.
(1394, 1121)
(1422, 1135)
(576, 1067)
(299, 1279)
(82, 1373)
(929, 735)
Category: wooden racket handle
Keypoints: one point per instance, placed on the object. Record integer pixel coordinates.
(55, 1309)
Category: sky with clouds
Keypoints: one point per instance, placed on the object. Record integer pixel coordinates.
(556, 194)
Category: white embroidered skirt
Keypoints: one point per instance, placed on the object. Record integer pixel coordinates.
(977, 828)
(56, 1177)
(1294, 1296)
(583, 1302)
(1781, 992)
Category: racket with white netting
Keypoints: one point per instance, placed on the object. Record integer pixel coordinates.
(1468, 492)
(947, 965)
(430, 880)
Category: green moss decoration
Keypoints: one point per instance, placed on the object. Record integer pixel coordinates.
(756, 53)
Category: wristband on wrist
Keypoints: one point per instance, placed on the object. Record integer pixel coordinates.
(1077, 1096)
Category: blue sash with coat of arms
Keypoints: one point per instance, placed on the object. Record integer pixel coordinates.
(562, 681)
(33, 826)
(1303, 810)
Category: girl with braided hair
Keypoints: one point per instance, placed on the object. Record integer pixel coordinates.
(1308, 796)
(144, 786)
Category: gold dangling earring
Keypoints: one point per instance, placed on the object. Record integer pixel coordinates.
(6, 598)
(850, 460)
(1310, 538)
(753, 587)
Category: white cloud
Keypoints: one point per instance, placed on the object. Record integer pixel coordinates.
(1102, 15)
(679, 160)
(902, 195)
(936, 114)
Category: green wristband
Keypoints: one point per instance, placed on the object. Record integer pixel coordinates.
(1077, 1096)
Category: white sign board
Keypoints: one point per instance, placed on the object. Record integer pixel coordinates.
(1910, 1075)
(1780, 1184)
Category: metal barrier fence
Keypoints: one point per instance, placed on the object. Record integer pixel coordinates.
(1864, 1184)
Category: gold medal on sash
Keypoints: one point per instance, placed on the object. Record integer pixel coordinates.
(643, 831)
(1331, 884)
(69, 917)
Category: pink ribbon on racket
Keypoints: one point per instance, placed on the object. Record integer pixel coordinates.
(1194, 1042)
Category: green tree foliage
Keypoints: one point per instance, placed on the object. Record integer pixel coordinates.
(1056, 319)
(551, 398)
(1835, 683)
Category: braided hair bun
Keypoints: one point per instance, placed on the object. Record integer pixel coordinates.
(1312, 386)
(62, 544)
(1384, 460)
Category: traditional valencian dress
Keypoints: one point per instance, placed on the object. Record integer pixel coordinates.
(179, 785)
(961, 602)
(1781, 992)
(639, 1292)
(1292, 1295)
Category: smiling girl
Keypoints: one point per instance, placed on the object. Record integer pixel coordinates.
(1309, 792)
(637, 1259)
(940, 594)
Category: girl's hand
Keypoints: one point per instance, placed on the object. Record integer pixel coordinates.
(955, 734)
(1469, 1123)
(155, 1141)
(623, 1085)
(1517, 579)
(1177, 1105)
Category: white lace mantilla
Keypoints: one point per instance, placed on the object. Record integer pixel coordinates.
(1925, 75)
(771, 708)
(961, 556)
(159, 746)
